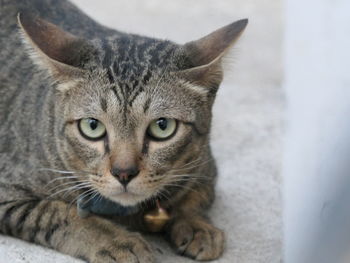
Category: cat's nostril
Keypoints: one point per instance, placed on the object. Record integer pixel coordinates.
(124, 176)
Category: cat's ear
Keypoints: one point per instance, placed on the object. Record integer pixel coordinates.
(202, 59)
(52, 49)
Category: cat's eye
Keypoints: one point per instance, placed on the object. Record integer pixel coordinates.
(162, 128)
(92, 129)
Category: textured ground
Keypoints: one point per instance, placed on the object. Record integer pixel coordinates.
(247, 124)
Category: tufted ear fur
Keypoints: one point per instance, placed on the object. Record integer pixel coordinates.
(202, 57)
(60, 53)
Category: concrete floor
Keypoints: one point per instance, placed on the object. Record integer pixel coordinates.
(247, 128)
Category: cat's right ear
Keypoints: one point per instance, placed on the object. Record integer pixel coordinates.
(200, 61)
(54, 50)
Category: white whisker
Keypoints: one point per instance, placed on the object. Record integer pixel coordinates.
(77, 188)
(192, 167)
(67, 183)
(61, 178)
(56, 171)
(69, 189)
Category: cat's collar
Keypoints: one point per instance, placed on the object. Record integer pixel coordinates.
(155, 219)
(102, 206)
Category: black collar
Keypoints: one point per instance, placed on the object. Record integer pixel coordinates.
(102, 206)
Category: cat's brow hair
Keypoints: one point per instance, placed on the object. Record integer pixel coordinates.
(131, 62)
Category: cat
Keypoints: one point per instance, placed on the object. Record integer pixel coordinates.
(105, 133)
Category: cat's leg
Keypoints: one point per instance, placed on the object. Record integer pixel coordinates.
(191, 233)
(55, 225)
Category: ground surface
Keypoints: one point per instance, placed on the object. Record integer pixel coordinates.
(247, 126)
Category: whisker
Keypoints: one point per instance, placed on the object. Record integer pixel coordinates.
(99, 197)
(174, 182)
(186, 188)
(64, 190)
(94, 194)
(77, 188)
(192, 167)
(198, 178)
(61, 178)
(190, 176)
(67, 183)
(82, 195)
(196, 160)
(64, 171)
(56, 171)
(184, 181)
(162, 194)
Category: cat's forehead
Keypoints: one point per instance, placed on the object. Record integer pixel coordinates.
(134, 80)
(131, 62)
(131, 58)
(159, 96)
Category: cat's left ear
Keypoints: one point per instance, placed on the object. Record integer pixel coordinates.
(54, 50)
(201, 60)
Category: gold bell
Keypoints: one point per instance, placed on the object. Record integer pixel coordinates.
(156, 219)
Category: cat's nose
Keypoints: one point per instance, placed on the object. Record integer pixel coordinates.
(124, 176)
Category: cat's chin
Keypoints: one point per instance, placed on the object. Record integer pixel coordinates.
(127, 198)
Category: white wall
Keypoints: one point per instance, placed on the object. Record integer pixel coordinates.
(317, 82)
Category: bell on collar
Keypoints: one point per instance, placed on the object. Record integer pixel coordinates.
(156, 219)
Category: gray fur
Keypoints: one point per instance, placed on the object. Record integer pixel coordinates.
(125, 81)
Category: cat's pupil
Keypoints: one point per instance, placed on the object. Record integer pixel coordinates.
(162, 123)
(93, 124)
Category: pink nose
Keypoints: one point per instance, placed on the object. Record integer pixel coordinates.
(124, 176)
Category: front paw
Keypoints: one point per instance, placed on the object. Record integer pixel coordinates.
(126, 248)
(197, 238)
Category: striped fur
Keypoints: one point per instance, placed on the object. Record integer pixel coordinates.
(125, 81)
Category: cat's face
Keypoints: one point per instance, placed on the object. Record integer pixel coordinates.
(133, 112)
(153, 137)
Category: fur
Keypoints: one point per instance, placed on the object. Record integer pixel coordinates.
(50, 79)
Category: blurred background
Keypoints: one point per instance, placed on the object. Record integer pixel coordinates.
(317, 144)
(281, 123)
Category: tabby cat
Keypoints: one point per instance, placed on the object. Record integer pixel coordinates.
(100, 128)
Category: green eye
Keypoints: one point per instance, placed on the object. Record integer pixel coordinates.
(162, 128)
(91, 129)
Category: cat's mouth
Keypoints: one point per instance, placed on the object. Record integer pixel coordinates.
(130, 194)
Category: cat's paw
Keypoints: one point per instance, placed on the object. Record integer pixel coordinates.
(126, 248)
(197, 239)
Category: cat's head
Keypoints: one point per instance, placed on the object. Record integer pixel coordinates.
(134, 112)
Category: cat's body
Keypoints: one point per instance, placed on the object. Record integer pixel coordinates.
(117, 79)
